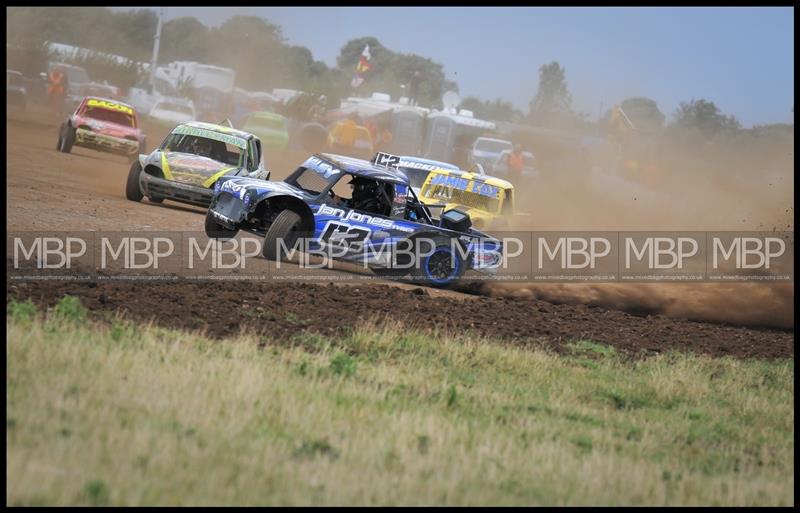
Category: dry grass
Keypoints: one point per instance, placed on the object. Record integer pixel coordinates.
(120, 414)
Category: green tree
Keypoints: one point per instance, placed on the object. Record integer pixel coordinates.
(497, 110)
(642, 112)
(552, 103)
(252, 47)
(433, 81)
(184, 39)
(128, 33)
(704, 117)
(351, 52)
(391, 71)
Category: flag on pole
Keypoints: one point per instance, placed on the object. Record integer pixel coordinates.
(362, 67)
(363, 62)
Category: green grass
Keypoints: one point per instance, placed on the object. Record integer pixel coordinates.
(115, 413)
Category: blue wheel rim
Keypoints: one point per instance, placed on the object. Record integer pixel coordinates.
(454, 271)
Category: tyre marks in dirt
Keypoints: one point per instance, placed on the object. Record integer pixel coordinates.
(282, 311)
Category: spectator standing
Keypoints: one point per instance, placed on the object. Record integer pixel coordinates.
(57, 89)
(515, 164)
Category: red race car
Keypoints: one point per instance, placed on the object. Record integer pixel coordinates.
(105, 125)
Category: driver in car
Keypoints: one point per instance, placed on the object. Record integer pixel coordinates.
(200, 146)
(367, 197)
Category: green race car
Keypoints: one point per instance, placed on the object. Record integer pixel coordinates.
(191, 159)
(270, 128)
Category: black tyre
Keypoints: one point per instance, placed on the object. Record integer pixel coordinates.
(285, 228)
(133, 191)
(67, 139)
(214, 230)
(442, 265)
(155, 199)
(60, 138)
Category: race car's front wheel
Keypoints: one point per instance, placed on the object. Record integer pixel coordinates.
(133, 190)
(214, 230)
(66, 138)
(283, 233)
(441, 267)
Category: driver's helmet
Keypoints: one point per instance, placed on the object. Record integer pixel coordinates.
(201, 146)
(367, 196)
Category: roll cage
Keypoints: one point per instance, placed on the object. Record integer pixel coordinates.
(334, 175)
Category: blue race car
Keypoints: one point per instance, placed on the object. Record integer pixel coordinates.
(377, 220)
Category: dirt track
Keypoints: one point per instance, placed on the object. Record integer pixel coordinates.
(282, 311)
(84, 191)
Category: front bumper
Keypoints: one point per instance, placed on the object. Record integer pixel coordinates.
(228, 210)
(161, 188)
(101, 142)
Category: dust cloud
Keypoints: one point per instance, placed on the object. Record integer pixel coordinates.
(691, 194)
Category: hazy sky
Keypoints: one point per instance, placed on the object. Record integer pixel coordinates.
(740, 58)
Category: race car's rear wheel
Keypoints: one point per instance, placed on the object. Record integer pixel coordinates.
(214, 230)
(284, 231)
(441, 267)
(133, 190)
(66, 139)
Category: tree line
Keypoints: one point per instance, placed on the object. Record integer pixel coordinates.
(263, 60)
(252, 46)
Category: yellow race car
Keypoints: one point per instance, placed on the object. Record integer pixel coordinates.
(489, 201)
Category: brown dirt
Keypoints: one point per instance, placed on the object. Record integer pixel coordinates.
(85, 191)
(281, 311)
